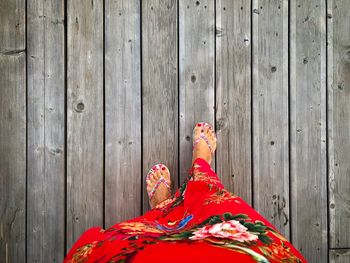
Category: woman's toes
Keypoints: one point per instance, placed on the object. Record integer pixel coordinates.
(158, 175)
(149, 184)
(212, 137)
(151, 181)
(214, 141)
(208, 133)
(197, 130)
(162, 192)
(165, 174)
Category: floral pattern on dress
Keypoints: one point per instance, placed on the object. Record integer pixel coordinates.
(201, 212)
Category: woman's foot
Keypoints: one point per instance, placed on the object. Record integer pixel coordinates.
(201, 149)
(158, 185)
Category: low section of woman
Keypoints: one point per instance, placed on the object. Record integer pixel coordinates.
(201, 222)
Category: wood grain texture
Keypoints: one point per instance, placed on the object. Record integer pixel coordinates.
(339, 255)
(233, 96)
(46, 129)
(339, 122)
(159, 89)
(270, 112)
(122, 111)
(84, 117)
(308, 129)
(12, 131)
(124, 90)
(197, 84)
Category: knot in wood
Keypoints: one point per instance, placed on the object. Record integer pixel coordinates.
(220, 124)
(348, 55)
(79, 107)
(193, 78)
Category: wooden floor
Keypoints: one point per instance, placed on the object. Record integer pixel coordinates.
(93, 93)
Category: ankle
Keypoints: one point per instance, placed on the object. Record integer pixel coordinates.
(204, 156)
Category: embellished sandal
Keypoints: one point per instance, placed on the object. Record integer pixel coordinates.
(160, 180)
(202, 136)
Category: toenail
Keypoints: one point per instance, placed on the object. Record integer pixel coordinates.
(163, 168)
(199, 124)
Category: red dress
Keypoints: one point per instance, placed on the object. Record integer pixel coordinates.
(203, 222)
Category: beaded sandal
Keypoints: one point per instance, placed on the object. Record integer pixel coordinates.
(202, 136)
(160, 180)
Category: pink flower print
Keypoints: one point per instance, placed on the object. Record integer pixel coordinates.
(230, 229)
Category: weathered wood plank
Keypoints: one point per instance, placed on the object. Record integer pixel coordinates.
(159, 88)
(122, 111)
(339, 122)
(12, 131)
(270, 112)
(233, 96)
(308, 129)
(339, 255)
(197, 60)
(46, 129)
(84, 117)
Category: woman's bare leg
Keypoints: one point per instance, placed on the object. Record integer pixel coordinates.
(200, 150)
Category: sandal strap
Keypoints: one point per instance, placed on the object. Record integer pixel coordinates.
(160, 180)
(202, 136)
(153, 169)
